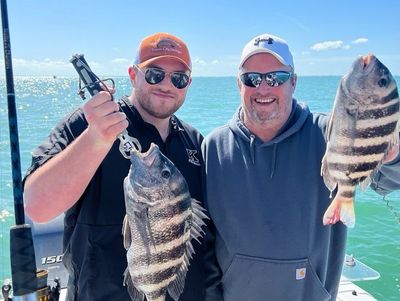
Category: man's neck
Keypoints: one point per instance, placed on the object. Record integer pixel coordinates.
(162, 125)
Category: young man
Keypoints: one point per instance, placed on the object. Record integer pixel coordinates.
(80, 170)
(265, 193)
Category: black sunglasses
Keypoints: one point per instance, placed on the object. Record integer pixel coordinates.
(154, 76)
(273, 79)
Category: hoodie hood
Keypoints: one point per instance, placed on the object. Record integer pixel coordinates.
(296, 119)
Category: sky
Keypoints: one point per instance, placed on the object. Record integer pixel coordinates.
(325, 37)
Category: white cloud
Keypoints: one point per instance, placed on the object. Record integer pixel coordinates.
(45, 63)
(44, 67)
(121, 60)
(360, 41)
(224, 66)
(198, 61)
(327, 45)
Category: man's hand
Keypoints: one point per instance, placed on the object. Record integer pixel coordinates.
(392, 154)
(105, 120)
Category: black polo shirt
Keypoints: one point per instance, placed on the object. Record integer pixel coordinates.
(94, 252)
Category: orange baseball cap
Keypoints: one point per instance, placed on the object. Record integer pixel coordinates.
(161, 45)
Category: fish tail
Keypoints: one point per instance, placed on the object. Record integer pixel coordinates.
(341, 209)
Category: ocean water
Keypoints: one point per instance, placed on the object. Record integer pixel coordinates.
(211, 101)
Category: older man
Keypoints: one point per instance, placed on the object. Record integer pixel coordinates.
(265, 193)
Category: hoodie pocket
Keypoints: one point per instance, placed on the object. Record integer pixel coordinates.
(261, 279)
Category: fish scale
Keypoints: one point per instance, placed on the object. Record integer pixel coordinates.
(363, 127)
(160, 223)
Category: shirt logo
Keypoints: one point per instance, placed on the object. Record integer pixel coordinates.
(300, 273)
(192, 157)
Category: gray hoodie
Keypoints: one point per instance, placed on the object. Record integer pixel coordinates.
(267, 201)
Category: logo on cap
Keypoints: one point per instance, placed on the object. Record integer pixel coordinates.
(167, 45)
(258, 40)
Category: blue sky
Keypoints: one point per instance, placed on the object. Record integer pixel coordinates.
(324, 36)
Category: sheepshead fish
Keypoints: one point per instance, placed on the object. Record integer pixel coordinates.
(161, 219)
(363, 127)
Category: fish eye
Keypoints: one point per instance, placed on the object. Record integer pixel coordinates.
(165, 173)
(382, 82)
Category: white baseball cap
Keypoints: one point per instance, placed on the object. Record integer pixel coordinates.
(267, 43)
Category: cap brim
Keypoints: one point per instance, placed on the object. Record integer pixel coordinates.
(154, 59)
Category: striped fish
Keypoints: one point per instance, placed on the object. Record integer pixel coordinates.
(161, 219)
(363, 127)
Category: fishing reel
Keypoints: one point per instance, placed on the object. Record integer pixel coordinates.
(44, 291)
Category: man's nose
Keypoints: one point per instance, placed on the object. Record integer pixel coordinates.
(263, 86)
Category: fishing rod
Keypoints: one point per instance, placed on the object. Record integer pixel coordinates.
(22, 253)
(28, 283)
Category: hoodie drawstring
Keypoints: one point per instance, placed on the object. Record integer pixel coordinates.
(273, 162)
(252, 148)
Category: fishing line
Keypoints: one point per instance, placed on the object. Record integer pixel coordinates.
(392, 210)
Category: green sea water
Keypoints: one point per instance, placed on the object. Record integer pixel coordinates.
(211, 101)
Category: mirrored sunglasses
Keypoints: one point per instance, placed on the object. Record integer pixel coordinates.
(154, 76)
(273, 79)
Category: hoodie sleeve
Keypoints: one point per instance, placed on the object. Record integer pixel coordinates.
(212, 270)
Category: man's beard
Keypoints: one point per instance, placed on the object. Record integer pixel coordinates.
(143, 99)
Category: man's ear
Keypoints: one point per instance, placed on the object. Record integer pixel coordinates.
(294, 80)
(132, 72)
(190, 82)
(239, 82)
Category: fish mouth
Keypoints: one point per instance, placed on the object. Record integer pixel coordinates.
(365, 63)
(148, 157)
(367, 59)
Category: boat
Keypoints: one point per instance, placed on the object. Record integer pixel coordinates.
(48, 237)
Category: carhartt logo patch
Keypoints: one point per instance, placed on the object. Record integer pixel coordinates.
(300, 273)
(192, 156)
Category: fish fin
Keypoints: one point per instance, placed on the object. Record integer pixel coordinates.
(329, 181)
(342, 210)
(143, 226)
(175, 288)
(329, 127)
(132, 291)
(126, 233)
(198, 213)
